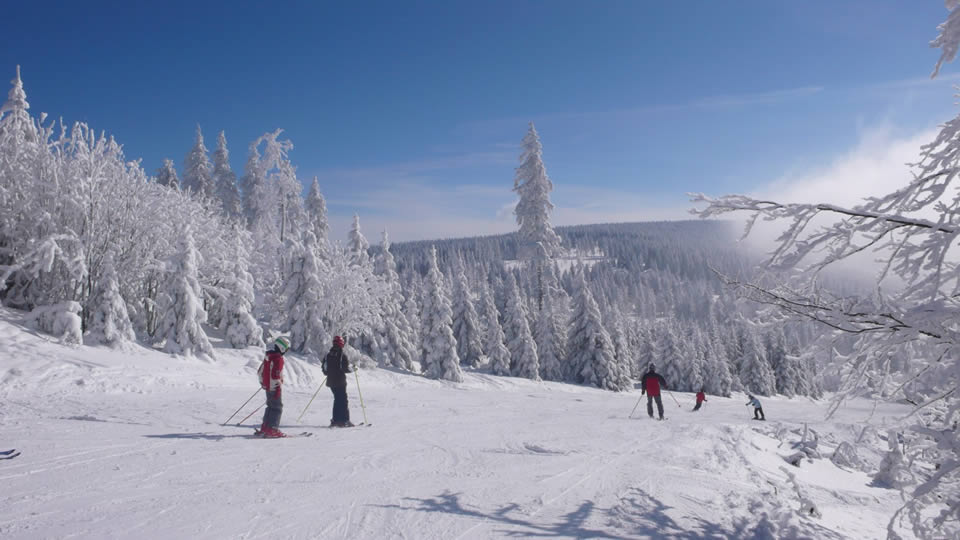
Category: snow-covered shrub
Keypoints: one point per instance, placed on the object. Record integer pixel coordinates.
(61, 320)
(109, 323)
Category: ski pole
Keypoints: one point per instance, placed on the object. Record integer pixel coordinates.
(249, 415)
(635, 406)
(241, 407)
(311, 400)
(362, 407)
(674, 399)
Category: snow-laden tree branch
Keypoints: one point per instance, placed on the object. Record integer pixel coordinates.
(902, 343)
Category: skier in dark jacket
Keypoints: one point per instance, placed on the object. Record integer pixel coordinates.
(271, 380)
(335, 367)
(650, 385)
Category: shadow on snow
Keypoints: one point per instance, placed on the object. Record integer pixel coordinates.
(638, 514)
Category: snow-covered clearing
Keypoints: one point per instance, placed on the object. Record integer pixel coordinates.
(128, 444)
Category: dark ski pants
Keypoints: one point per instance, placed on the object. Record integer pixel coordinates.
(758, 414)
(271, 416)
(341, 412)
(697, 406)
(650, 405)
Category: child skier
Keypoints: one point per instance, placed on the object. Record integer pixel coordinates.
(701, 397)
(335, 367)
(757, 409)
(271, 380)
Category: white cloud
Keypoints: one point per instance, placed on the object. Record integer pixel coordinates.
(877, 165)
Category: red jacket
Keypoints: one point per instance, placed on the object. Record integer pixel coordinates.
(651, 383)
(701, 397)
(271, 371)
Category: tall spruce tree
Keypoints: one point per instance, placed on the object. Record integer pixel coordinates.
(357, 244)
(440, 360)
(253, 187)
(498, 355)
(182, 303)
(110, 323)
(466, 324)
(537, 238)
(303, 290)
(590, 349)
(316, 208)
(167, 175)
(237, 321)
(197, 171)
(755, 372)
(550, 336)
(523, 350)
(224, 179)
(395, 345)
(538, 242)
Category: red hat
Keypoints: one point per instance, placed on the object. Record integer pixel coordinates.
(337, 341)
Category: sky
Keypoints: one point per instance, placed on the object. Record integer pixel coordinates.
(411, 113)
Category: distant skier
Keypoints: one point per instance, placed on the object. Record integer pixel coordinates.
(650, 385)
(701, 397)
(271, 380)
(335, 367)
(757, 409)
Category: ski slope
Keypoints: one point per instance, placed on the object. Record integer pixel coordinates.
(127, 444)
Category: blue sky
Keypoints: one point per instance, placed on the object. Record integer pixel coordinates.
(411, 113)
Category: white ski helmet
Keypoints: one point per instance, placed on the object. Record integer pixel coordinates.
(282, 344)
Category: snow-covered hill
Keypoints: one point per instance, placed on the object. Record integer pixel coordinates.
(125, 444)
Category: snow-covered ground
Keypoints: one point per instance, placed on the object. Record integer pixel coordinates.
(129, 444)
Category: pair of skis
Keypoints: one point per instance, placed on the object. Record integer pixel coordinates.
(9, 454)
(308, 433)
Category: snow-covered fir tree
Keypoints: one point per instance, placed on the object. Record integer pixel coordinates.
(411, 310)
(197, 171)
(646, 352)
(253, 187)
(316, 208)
(357, 245)
(303, 290)
(716, 370)
(536, 235)
(110, 323)
(520, 343)
(466, 324)
(669, 356)
(497, 354)
(14, 112)
(590, 349)
(224, 179)
(786, 369)
(440, 360)
(395, 346)
(551, 339)
(755, 372)
(167, 175)
(550, 331)
(237, 321)
(181, 303)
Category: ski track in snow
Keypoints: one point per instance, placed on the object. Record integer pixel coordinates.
(137, 449)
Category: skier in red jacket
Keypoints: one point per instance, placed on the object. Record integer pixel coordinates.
(651, 383)
(271, 380)
(701, 397)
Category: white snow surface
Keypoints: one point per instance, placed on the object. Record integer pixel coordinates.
(129, 443)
